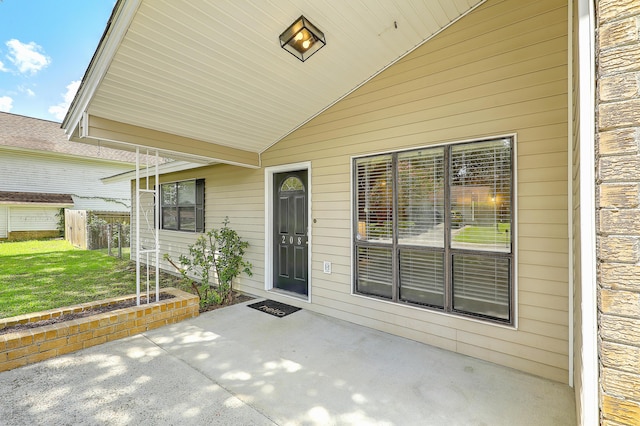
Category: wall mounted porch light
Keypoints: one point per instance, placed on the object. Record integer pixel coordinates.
(302, 39)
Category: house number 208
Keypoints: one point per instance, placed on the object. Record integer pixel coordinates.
(284, 240)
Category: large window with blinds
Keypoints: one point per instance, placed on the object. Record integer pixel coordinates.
(433, 227)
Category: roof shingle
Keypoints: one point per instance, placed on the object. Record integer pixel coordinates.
(34, 197)
(34, 134)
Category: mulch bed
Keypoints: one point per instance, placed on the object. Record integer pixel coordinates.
(235, 298)
(83, 314)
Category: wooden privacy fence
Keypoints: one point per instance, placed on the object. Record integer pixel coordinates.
(75, 227)
(96, 230)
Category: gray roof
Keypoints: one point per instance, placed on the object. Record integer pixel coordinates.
(34, 197)
(34, 134)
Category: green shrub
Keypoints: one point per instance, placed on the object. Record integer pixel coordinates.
(219, 253)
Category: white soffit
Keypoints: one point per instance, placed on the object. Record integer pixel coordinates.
(214, 70)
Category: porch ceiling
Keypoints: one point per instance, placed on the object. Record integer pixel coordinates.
(212, 72)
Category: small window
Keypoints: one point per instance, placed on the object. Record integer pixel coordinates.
(292, 183)
(182, 206)
(433, 228)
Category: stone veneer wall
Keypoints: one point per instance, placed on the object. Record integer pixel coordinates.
(618, 220)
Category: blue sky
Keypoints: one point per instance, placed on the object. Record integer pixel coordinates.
(45, 48)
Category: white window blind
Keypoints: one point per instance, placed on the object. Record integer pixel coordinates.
(374, 203)
(433, 227)
(480, 176)
(481, 285)
(421, 197)
(374, 198)
(481, 196)
(374, 269)
(422, 277)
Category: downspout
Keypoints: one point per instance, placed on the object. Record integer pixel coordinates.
(570, 183)
(589, 310)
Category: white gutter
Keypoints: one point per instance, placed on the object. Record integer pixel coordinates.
(589, 352)
(121, 18)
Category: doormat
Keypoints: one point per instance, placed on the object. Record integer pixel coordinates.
(274, 308)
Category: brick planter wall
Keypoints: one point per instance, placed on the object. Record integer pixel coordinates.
(618, 198)
(37, 344)
(30, 235)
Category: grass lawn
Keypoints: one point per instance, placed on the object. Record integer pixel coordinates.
(40, 275)
(484, 234)
(126, 252)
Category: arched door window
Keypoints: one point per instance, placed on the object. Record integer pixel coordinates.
(292, 183)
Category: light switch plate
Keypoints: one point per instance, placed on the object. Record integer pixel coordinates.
(326, 267)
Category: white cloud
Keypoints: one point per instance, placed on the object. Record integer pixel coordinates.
(6, 103)
(59, 111)
(3, 68)
(27, 57)
(26, 90)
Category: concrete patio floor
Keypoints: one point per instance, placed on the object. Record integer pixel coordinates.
(239, 366)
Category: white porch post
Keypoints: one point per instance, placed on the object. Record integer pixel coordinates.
(138, 226)
(157, 226)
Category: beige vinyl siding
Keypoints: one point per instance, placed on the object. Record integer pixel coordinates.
(500, 70)
(229, 191)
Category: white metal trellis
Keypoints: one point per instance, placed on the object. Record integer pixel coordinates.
(153, 246)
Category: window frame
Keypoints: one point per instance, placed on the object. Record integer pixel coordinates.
(198, 206)
(448, 251)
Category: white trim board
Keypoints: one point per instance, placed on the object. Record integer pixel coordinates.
(268, 223)
(589, 350)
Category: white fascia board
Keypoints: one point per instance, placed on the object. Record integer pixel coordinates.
(174, 166)
(123, 14)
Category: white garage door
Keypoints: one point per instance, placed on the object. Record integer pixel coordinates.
(33, 219)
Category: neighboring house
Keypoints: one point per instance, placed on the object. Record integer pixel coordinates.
(42, 172)
(430, 172)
